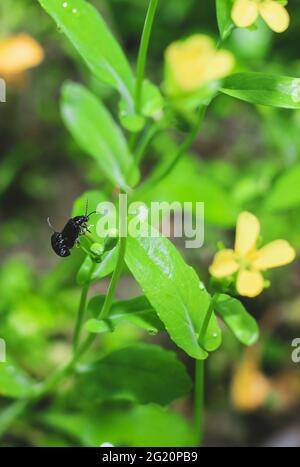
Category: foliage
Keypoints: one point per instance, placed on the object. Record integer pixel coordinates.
(111, 378)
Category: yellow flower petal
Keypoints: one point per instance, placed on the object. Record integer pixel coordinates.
(275, 15)
(244, 13)
(18, 53)
(249, 283)
(275, 254)
(198, 44)
(247, 232)
(193, 62)
(187, 61)
(219, 66)
(224, 264)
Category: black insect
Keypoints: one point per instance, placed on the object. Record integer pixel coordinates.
(62, 242)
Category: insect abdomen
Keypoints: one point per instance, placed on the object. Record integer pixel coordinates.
(59, 245)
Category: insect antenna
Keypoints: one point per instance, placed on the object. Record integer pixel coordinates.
(50, 225)
(86, 207)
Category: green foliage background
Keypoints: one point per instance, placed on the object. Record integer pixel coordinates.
(246, 158)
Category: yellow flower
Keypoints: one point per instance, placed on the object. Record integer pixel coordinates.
(194, 62)
(250, 388)
(17, 54)
(247, 261)
(245, 12)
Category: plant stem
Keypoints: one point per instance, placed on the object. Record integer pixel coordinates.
(114, 280)
(9, 415)
(145, 141)
(199, 402)
(183, 148)
(142, 57)
(81, 310)
(109, 297)
(199, 377)
(207, 318)
(133, 140)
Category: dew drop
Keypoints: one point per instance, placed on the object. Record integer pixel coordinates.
(215, 334)
(65, 5)
(74, 11)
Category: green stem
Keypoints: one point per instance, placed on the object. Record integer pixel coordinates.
(133, 140)
(142, 57)
(207, 319)
(185, 146)
(199, 377)
(199, 402)
(114, 281)
(85, 250)
(81, 310)
(91, 237)
(110, 294)
(146, 140)
(9, 415)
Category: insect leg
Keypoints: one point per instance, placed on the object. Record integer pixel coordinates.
(50, 225)
(82, 229)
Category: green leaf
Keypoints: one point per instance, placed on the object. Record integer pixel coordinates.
(136, 311)
(97, 134)
(285, 193)
(241, 323)
(172, 287)
(13, 382)
(264, 89)
(225, 23)
(140, 426)
(152, 100)
(213, 336)
(101, 270)
(89, 34)
(152, 106)
(141, 373)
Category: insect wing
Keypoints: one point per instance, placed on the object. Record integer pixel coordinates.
(70, 233)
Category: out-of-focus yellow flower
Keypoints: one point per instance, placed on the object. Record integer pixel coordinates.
(249, 262)
(17, 54)
(250, 388)
(195, 61)
(245, 12)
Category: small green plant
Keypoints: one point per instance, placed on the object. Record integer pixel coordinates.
(174, 300)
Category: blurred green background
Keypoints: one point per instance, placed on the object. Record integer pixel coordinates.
(246, 158)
